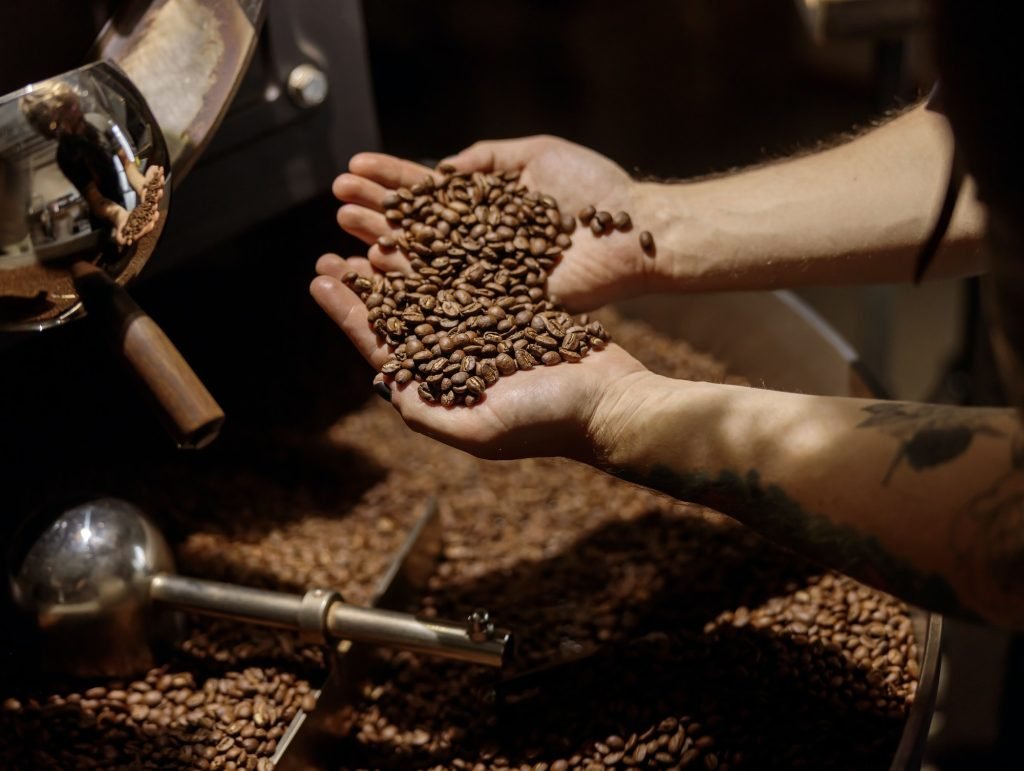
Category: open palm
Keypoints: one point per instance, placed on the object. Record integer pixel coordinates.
(544, 411)
(593, 271)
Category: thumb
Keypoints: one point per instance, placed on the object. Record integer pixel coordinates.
(493, 155)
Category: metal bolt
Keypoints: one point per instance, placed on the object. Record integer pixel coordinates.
(307, 85)
(479, 626)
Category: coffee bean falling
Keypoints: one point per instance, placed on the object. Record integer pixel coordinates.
(647, 243)
(481, 247)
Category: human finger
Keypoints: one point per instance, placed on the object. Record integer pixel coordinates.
(353, 188)
(333, 265)
(490, 155)
(389, 171)
(365, 224)
(389, 260)
(345, 308)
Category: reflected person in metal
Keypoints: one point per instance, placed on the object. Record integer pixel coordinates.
(94, 161)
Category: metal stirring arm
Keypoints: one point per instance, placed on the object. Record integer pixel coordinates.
(321, 616)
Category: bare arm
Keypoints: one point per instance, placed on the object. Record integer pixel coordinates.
(104, 208)
(856, 213)
(923, 501)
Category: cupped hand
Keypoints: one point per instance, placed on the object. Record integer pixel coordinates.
(154, 174)
(119, 220)
(541, 412)
(595, 270)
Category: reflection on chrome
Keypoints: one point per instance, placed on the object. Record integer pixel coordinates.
(83, 176)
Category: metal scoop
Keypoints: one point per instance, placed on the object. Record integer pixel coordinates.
(98, 583)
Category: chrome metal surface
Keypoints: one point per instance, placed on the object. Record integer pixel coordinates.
(187, 57)
(238, 603)
(312, 615)
(85, 582)
(104, 563)
(81, 159)
(400, 630)
(307, 85)
(479, 626)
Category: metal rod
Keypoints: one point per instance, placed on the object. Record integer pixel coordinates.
(400, 630)
(331, 619)
(240, 603)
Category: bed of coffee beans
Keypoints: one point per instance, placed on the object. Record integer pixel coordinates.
(650, 634)
(474, 306)
(140, 219)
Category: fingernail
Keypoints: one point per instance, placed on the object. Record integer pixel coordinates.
(382, 390)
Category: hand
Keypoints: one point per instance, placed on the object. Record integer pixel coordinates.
(118, 221)
(121, 219)
(595, 270)
(153, 173)
(545, 411)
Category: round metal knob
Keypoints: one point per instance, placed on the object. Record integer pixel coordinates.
(307, 85)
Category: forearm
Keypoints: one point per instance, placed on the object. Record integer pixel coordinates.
(922, 501)
(100, 205)
(856, 213)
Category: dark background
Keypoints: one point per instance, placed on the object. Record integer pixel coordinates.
(673, 89)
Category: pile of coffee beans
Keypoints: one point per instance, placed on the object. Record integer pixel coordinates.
(475, 306)
(165, 720)
(650, 634)
(140, 219)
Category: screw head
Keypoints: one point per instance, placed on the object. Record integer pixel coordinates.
(307, 85)
(479, 626)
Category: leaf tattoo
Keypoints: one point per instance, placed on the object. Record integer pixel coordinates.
(929, 434)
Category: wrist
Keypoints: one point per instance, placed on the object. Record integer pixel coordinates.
(670, 212)
(622, 408)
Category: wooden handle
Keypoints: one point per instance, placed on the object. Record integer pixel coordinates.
(190, 413)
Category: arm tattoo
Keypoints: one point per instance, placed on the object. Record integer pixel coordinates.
(773, 513)
(988, 538)
(929, 434)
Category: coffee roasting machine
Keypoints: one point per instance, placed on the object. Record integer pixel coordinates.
(130, 106)
(90, 162)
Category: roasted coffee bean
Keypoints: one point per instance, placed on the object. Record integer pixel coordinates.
(391, 366)
(647, 242)
(622, 221)
(506, 364)
(524, 360)
(586, 214)
(488, 372)
(476, 385)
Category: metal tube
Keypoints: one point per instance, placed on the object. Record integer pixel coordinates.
(399, 630)
(341, 621)
(212, 598)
